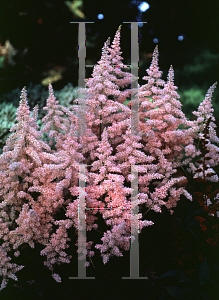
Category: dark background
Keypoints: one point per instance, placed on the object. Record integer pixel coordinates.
(45, 40)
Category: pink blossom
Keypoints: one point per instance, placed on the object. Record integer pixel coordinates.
(109, 149)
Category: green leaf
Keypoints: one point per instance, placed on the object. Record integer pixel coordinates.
(179, 276)
(175, 292)
(197, 212)
(2, 59)
(186, 293)
(204, 274)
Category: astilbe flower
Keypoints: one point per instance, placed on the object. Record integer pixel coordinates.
(72, 211)
(67, 148)
(23, 153)
(108, 148)
(7, 269)
(118, 121)
(159, 114)
(99, 187)
(204, 112)
(99, 92)
(58, 118)
(107, 185)
(123, 78)
(160, 134)
(59, 177)
(98, 87)
(115, 208)
(46, 171)
(54, 250)
(65, 174)
(207, 196)
(107, 79)
(174, 139)
(127, 155)
(28, 230)
(207, 199)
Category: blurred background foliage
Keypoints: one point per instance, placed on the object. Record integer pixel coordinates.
(38, 45)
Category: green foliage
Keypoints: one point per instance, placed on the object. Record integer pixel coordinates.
(180, 287)
(191, 98)
(7, 118)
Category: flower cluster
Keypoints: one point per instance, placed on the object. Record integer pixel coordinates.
(40, 178)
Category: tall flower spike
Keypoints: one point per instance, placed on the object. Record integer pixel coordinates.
(54, 121)
(102, 94)
(105, 50)
(23, 112)
(205, 111)
(148, 94)
(123, 78)
(163, 140)
(173, 138)
(115, 48)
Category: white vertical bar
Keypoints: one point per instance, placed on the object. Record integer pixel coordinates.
(81, 132)
(134, 251)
